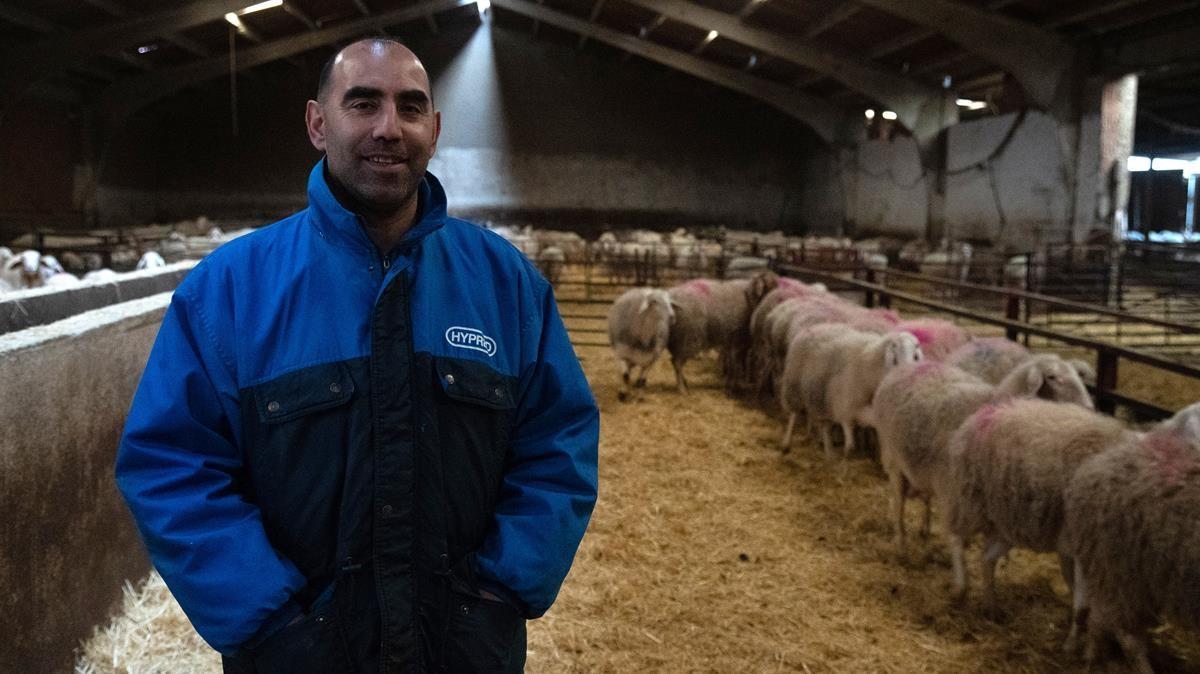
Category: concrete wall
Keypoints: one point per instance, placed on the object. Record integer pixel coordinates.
(1025, 192)
(40, 306)
(69, 542)
(527, 125)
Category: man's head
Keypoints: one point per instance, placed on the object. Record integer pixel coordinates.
(374, 119)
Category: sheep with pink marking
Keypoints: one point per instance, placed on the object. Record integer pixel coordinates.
(639, 325)
(1009, 467)
(759, 351)
(1130, 523)
(713, 314)
(938, 337)
(917, 409)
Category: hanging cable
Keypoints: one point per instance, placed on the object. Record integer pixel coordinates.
(233, 103)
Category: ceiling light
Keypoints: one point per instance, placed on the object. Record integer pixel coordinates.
(870, 114)
(889, 115)
(233, 20)
(970, 104)
(146, 48)
(258, 7)
(483, 5)
(712, 35)
(1138, 164)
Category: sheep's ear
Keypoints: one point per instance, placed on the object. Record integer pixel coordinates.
(1187, 422)
(15, 262)
(645, 304)
(1033, 380)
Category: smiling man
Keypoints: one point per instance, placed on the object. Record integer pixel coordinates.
(362, 442)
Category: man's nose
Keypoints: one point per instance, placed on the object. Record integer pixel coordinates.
(387, 124)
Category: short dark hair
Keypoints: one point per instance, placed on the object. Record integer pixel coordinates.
(327, 69)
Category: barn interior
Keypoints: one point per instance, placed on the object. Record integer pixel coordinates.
(1026, 169)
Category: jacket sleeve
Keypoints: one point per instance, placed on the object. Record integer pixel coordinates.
(179, 469)
(550, 483)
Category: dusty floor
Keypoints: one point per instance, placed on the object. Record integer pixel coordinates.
(710, 551)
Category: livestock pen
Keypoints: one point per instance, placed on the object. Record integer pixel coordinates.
(711, 551)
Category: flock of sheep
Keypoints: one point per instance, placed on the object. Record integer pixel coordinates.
(31, 269)
(1004, 442)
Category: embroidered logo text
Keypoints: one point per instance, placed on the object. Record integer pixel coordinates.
(470, 338)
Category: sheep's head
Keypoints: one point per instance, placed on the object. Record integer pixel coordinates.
(661, 301)
(1186, 422)
(901, 348)
(1051, 378)
(760, 285)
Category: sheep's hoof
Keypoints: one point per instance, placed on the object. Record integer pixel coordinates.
(622, 396)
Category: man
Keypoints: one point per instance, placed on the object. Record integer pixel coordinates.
(362, 442)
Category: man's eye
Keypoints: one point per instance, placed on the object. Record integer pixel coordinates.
(362, 105)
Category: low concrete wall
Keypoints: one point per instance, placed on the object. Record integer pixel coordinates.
(68, 540)
(40, 306)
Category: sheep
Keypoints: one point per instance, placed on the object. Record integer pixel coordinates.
(639, 323)
(100, 276)
(785, 321)
(838, 375)
(151, 260)
(550, 261)
(26, 270)
(917, 408)
(759, 350)
(1008, 467)
(61, 280)
(1129, 522)
(938, 337)
(714, 314)
(990, 358)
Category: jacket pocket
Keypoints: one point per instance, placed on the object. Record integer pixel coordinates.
(312, 645)
(474, 411)
(483, 635)
(298, 428)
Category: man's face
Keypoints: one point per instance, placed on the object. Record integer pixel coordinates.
(376, 124)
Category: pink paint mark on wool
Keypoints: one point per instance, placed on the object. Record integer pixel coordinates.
(701, 286)
(985, 419)
(923, 335)
(790, 283)
(1172, 458)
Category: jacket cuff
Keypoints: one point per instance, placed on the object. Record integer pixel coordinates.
(274, 623)
(482, 582)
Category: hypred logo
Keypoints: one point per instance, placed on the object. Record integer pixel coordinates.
(470, 338)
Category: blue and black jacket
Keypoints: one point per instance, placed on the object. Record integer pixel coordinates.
(365, 439)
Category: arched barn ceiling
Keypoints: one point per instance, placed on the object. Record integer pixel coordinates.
(821, 61)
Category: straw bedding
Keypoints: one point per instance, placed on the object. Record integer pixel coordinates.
(710, 551)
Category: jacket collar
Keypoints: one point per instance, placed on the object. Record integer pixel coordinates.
(343, 227)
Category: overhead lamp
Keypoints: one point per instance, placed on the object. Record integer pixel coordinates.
(889, 115)
(712, 35)
(970, 104)
(258, 7)
(1137, 164)
(232, 17)
(483, 5)
(870, 114)
(147, 48)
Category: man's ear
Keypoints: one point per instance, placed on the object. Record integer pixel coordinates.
(314, 119)
(437, 131)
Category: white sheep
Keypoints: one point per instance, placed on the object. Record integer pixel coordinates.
(1130, 523)
(105, 275)
(992, 358)
(1008, 467)
(151, 260)
(61, 280)
(639, 324)
(830, 372)
(26, 270)
(918, 407)
(550, 261)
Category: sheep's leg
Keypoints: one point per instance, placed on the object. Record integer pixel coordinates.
(899, 497)
(680, 382)
(623, 392)
(787, 433)
(640, 384)
(957, 552)
(1079, 602)
(1136, 650)
(847, 439)
(994, 549)
(827, 438)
